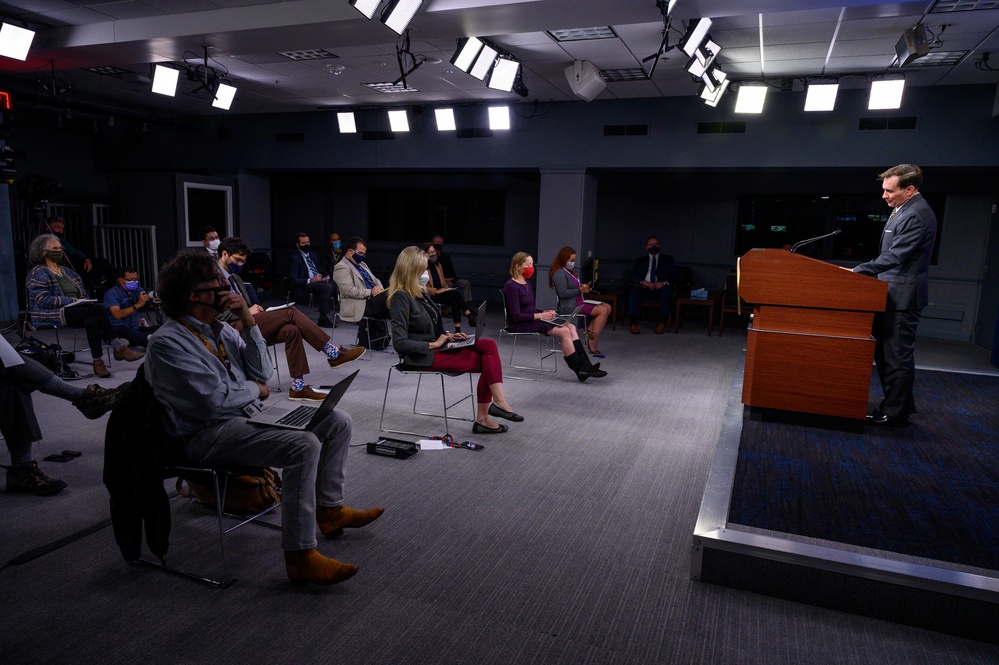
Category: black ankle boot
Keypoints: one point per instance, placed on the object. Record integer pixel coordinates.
(591, 369)
(573, 361)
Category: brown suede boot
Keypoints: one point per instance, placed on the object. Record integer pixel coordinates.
(332, 521)
(305, 566)
(100, 369)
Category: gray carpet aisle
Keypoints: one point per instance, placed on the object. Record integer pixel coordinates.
(565, 541)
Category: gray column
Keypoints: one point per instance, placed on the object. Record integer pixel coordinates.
(567, 216)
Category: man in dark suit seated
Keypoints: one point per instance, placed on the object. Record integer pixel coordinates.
(906, 248)
(305, 277)
(652, 278)
(463, 285)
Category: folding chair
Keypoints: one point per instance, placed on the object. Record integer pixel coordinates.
(402, 368)
(545, 344)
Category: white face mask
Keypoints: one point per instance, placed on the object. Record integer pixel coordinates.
(569, 265)
(424, 280)
(214, 244)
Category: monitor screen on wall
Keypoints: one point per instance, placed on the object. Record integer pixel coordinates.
(463, 217)
(781, 220)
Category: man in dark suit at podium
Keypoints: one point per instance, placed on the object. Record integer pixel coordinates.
(906, 247)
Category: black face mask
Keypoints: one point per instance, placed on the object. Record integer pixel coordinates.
(305, 248)
(218, 291)
(439, 248)
(653, 251)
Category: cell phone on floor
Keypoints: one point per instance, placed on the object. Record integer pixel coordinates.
(470, 445)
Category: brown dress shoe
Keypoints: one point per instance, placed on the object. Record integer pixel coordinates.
(661, 328)
(306, 394)
(634, 329)
(347, 356)
(333, 520)
(126, 354)
(304, 566)
(100, 369)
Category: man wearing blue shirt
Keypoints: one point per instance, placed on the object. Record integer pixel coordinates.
(129, 306)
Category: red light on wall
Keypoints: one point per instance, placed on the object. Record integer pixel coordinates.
(6, 102)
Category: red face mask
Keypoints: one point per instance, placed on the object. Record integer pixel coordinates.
(527, 272)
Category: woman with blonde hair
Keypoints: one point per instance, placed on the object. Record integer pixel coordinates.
(523, 316)
(418, 335)
(570, 295)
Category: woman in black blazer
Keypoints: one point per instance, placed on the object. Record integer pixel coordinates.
(418, 334)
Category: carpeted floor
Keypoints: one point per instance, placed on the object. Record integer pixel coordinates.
(930, 489)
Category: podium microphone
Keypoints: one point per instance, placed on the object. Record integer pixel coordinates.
(811, 240)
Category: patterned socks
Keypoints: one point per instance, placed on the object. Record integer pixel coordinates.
(297, 383)
(331, 351)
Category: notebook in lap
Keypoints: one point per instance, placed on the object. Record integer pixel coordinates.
(563, 319)
(470, 340)
(288, 416)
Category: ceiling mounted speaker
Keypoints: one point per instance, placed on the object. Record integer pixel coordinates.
(584, 79)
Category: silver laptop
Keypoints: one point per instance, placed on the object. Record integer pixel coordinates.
(288, 416)
(480, 322)
(563, 319)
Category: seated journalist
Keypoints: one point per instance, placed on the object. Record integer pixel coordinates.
(286, 326)
(19, 377)
(442, 293)
(129, 306)
(209, 377)
(570, 293)
(52, 291)
(418, 334)
(523, 316)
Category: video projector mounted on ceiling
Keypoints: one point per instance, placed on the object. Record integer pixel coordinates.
(911, 45)
(584, 79)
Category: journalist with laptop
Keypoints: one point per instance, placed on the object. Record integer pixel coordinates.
(211, 378)
(418, 337)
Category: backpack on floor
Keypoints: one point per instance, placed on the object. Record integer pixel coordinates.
(245, 495)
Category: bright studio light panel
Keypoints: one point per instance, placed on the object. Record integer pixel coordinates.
(751, 99)
(504, 74)
(499, 117)
(399, 13)
(468, 49)
(346, 122)
(224, 96)
(821, 96)
(15, 41)
(886, 95)
(366, 7)
(487, 56)
(398, 121)
(165, 80)
(695, 35)
(445, 120)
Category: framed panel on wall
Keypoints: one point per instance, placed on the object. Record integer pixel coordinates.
(206, 205)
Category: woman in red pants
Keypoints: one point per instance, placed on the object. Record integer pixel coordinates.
(418, 337)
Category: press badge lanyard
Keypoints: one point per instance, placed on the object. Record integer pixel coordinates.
(220, 353)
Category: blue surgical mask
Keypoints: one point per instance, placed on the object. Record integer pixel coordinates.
(233, 268)
(132, 286)
(336, 244)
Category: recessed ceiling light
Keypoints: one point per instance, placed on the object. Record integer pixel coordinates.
(390, 87)
(622, 75)
(938, 59)
(582, 34)
(944, 6)
(107, 70)
(308, 54)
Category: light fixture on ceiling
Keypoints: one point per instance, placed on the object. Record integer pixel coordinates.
(821, 96)
(464, 56)
(713, 78)
(346, 122)
(366, 7)
(499, 118)
(712, 97)
(751, 98)
(696, 33)
(15, 42)
(398, 121)
(886, 94)
(445, 120)
(503, 75)
(165, 80)
(665, 6)
(484, 62)
(224, 94)
(399, 13)
(703, 58)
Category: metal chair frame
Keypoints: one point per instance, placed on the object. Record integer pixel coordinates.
(402, 369)
(219, 482)
(543, 346)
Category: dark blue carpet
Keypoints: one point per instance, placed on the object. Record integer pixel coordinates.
(930, 489)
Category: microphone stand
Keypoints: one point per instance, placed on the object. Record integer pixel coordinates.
(811, 240)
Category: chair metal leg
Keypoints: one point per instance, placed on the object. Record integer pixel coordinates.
(447, 407)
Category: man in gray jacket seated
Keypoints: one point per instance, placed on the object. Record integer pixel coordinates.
(210, 378)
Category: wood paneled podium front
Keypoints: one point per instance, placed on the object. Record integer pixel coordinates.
(809, 348)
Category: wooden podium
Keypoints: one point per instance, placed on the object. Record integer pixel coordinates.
(809, 347)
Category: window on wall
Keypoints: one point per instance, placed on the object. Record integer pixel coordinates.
(781, 220)
(463, 217)
(207, 205)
